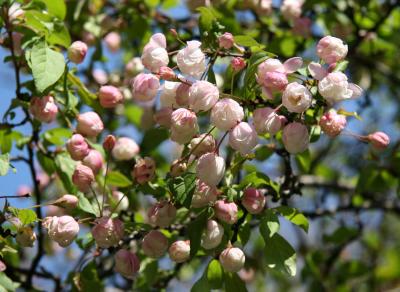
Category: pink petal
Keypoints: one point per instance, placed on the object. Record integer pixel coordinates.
(159, 40)
(292, 64)
(317, 71)
(357, 90)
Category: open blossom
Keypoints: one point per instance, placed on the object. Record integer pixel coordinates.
(266, 120)
(125, 149)
(238, 64)
(94, 160)
(154, 244)
(331, 49)
(210, 168)
(226, 41)
(253, 200)
(191, 60)
(291, 9)
(83, 177)
(77, 147)
(213, 234)
(89, 124)
(232, 259)
(110, 96)
(226, 211)
(62, 230)
(179, 251)
(126, 263)
(77, 52)
(25, 236)
(163, 117)
(203, 95)
(295, 138)
(145, 87)
(226, 114)
(168, 94)
(202, 144)
(296, 98)
(15, 11)
(155, 54)
(335, 87)
(108, 232)
(144, 170)
(183, 125)
(332, 123)
(162, 214)
(379, 140)
(203, 195)
(243, 138)
(43, 109)
(113, 41)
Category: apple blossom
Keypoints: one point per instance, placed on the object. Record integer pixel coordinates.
(178, 167)
(253, 200)
(203, 194)
(226, 211)
(154, 244)
(144, 170)
(67, 201)
(110, 96)
(108, 231)
(126, 263)
(83, 177)
(167, 73)
(266, 120)
(295, 137)
(62, 230)
(77, 147)
(89, 124)
(179, 251)
(334, 87)
(125, 149)
(183, 125)
(213, 234)
(145, 87)
(332, 123)
(226, 114)
(134, 66)
(291, 9)
(168, 94)
(43, 109)
(203, 95)
(154, 53)
(226, 41)
(238, 64)
(77, 52)
(94, 160)
(162, 214)
(331, 49)
(210, 168)
(379, 140)
(202, 144)
(191, 60)
(232, 259)
(296, 97)
(243, 138)
(182, 95)
(113, 41)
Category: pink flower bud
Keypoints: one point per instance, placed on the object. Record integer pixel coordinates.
(144, 170)
(108, 232)
(272, 74)
(226, 211)
(332, 123)
(83, 177)
(155, 54)
(125, 149)
(43, 109)
(126, 263)
(177, 168)
(77, 147)
(3, 266)
(182, 94)
(109, 143)
(167, 73)
(253, 200)
(191, 60)
(226, 41)
(67, 201)
(179, 251)
(226, 114)
(203, 195)
(291, 9)
(77, 52)
(266, 120)
(24, 190)
(113, 41)
(379, 140)
(145, 87)
(183, 125)
(94, 160)
(202, 144)
(212, 236)
(25, 237)
(296, 98)
(110, 96)
(210, 168)
(89, 124)
(232, 259)
(163, 117)
(62, 230)
(100, 76)
(295, 138)
(331, 49)
(154, 244)
(243, 138)
(162, 214)
(203, 95)
(238, 64)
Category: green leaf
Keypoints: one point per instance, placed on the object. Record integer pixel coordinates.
(27, 216)
(4, 163)
(294, 216)
(47, 163)
(195, 231)
(341, 66)
(117, 179)
(87, 96)
(201, 285)
(341, 235)
(65, 168)
(133, 114)
(256, 179)
(271, 222)
(6, 140)
(247, 41)
(183, 187)
(279, 254)
(60, 36)
(47, 66)
(215, 274)
(89, 279)
(153, 138)
(57, 136)
(304, 161)
(6, 284)
(234, 283)
(85, 205)
(56, 8)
